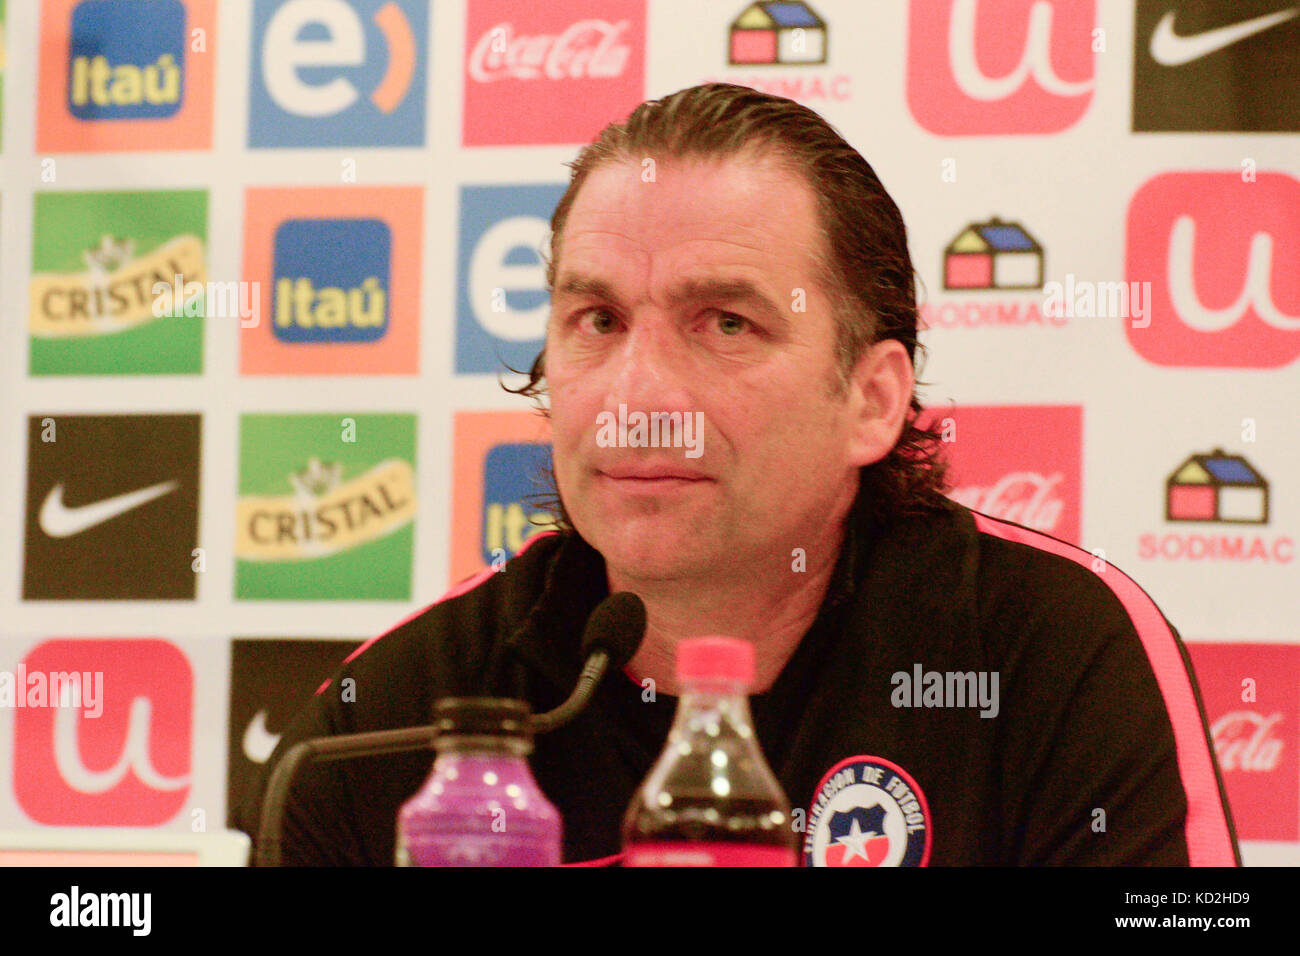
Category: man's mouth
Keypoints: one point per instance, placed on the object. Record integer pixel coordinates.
(650, 472)
(651, 477)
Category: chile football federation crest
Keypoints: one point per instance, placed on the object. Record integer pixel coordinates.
(867, 811)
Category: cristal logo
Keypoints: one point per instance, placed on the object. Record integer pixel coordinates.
(131, 766)
(1223, 255)
(1013, 66)
(1243, 740)
(1025, 497)
(588, 48)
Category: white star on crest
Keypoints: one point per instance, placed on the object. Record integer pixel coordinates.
(856, 842)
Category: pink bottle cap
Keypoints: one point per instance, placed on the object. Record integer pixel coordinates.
(715, 658)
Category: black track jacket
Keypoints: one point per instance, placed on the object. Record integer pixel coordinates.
(1099, 751)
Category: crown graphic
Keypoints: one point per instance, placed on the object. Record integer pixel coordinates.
(110, 255)
(317, 479)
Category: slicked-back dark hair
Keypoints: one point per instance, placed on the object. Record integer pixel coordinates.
(864, 266)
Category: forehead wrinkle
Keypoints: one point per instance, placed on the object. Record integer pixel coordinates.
(680, 292)
(763, 244)
(809, 267)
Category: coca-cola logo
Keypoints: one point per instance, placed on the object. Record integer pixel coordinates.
(1243, 741)
(1025, 497)
(588, 48)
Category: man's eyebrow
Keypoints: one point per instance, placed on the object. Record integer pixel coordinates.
(580, 285)
(732, 290)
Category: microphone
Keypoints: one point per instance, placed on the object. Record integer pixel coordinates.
(612, 635)
(611, 638)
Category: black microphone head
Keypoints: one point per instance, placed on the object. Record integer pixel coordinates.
(616, 627)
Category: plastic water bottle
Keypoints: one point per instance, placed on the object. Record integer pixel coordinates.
(480, 805)
(711, 799)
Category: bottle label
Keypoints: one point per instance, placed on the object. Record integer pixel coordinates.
(476, 850)
(707, 854)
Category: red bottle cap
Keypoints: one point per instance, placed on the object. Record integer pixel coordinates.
(715, 658)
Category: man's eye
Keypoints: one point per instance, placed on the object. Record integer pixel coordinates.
(599, 320)
(730, 324)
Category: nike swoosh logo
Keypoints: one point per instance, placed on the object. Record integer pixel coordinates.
(1170, 49)
(259, 743)
(59, 521)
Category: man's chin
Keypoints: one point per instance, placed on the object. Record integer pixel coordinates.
(648, 550)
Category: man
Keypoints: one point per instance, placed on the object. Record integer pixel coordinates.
(726, 257)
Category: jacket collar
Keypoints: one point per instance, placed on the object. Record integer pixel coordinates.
(916, 571)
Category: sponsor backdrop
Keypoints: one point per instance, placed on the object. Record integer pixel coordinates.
(265, 265)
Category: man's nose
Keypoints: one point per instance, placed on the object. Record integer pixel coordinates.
(651, 368)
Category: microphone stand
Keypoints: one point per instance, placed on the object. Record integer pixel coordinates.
(337, 747)
(401, 740)
(621, 613)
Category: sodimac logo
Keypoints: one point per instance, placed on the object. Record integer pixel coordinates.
(128, 767)
(554, 72)
(502, 303)
(339, 274)
(783, 34)
(1021, 463)
(1222, 253)
(997, 67)
(766, 34)
(1218, 487)
(126, 75)
(993, 255)
(338, 73)
(1252, 702)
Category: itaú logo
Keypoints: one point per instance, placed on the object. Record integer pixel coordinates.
(130, 766)
(1222, 253)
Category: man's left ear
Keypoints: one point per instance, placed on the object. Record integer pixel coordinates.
(880, 395)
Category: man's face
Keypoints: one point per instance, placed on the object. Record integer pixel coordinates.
(697, 293)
